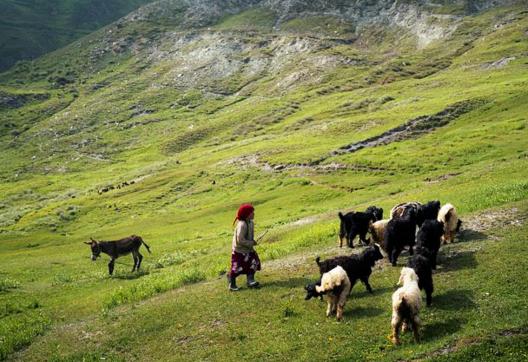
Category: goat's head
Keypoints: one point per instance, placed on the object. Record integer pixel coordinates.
(372, 254)
(407, 275)
(311, 291)
(377, 212)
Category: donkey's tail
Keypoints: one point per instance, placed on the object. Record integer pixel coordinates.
(146, 246)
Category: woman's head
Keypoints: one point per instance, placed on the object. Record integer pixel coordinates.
(245, 212)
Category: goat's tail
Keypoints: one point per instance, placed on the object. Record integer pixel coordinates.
(404, 309)
(146, 246)
(317, 260)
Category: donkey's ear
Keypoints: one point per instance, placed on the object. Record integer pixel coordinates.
(87, 242)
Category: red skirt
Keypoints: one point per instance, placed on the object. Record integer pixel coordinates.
(244, 263)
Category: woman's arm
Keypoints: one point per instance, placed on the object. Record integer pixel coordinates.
(241, 235)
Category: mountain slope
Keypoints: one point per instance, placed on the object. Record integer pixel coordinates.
(32, 28)
(163, 122)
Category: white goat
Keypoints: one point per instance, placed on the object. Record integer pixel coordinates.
(336, 284)
(406, 303)
(448, 215)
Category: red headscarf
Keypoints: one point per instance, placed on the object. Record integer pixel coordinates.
(244, 211)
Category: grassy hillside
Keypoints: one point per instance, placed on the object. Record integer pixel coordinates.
(32, 28)
(145, 128)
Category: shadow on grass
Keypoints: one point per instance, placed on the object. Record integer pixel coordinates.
(470, 235)
(285, 283)
(455, 299)
(359, 291)
(363, 312)
(432, 331)
(130, 275)
(458, 261)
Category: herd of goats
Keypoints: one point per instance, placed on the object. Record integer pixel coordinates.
(338, 275)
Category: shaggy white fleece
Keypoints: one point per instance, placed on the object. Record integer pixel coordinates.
(398, 210)
(406, 303)
(335, 278)
(377, 230)
(448, 215)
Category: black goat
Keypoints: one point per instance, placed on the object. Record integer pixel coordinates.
(356, 223)
(118, 248)
(357, 266)
(376, 211)
(400, 232)
(422, 265)
(429, 237)
(311, 291)
(428, 211)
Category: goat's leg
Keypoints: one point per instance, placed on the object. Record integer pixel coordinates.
(351, 237)
(433, 260)
(396, 325)
(395, 253)
(405, 326)
(416, 328)
(452, 236)
(365, 280)
(329, 307)
(389, 252)
(411, 248)
(111, 266)
(352, 283)
(339, 314)
(429, 293)
(363, 238)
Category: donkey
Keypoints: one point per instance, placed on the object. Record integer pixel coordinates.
(117, 248)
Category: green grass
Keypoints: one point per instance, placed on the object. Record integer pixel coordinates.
(190, 156)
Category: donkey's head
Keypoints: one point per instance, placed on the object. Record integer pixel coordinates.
(96, 248)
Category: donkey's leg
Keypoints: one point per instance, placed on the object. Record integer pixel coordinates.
(111, 266)
(134, 255)
(140, 257)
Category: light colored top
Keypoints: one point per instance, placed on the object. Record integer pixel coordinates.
(243, 237)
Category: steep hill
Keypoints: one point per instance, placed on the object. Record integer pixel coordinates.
(163, 122)
(32, 28)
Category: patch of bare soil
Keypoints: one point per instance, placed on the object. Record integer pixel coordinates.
(492, 220)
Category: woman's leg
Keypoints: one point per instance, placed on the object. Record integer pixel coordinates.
(251, 282)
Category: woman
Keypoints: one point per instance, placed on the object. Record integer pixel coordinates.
(244, 258)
